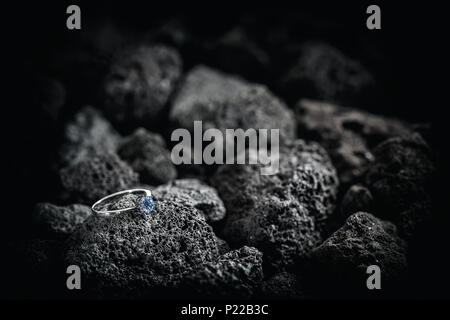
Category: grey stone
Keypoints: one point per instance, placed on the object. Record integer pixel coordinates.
(400, 180)
(56, 222)
(96, 177)
(139, 83)
(237, 273)
(347, 134)
(342, 260)
(323, 72)
(194, 193)
(132, 254)
(87, 134)
(148, 155)
(226, 102)
(282, 214)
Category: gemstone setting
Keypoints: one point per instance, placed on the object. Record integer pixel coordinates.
(146, 204)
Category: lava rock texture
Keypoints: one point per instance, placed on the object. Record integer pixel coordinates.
(323, 72)
(237, 273)
(147, 154)
(87, 134)
(57, 222)
(139, 83)
(222, 101)
(96, 177)
(135, 254)
(194, 193)
(400, 180)
(283, 214)
(347, 134)
(342, 260)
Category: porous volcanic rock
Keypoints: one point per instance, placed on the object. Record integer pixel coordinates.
(226, 102)
(87, 134)
(139, 83)
(57, 222)
(400, 180)
(323, 72)
(281, 214)
(132, 254)
(96, 177)
(347, 134)
(237, 273)
(148, 155)
(194, 193)
(341, 261)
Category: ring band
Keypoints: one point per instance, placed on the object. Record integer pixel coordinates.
(145, 203)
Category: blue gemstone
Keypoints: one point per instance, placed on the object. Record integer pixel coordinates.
(146, 204)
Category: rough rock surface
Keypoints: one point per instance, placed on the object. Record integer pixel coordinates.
(96, 177)
(140, 82)
(199, 91)
(362, 241)
(132, 253)
(237, 273)
(347, 134)
(87, 134)
(57, 222)
(282, 214)
(282, 285)
(400, 180)
(147, 154)
(225, 102)
(194, 193)
(323, 72)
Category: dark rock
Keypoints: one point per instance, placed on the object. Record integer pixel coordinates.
(132, 254)
(282, 214)
(193, 193)
(347, 134)
(198, 96)
(87, 134)
(237, 273)
(341, 261)
(222, 245)
(282, 285)
(96, 177)
(177, 33)
(322, 72)
(236, 53)
(400, 180)
(357, 198)
(56, 222)
(226, 102)
(147, 154)
(140, 82)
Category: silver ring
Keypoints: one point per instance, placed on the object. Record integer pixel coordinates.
(145, 203)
